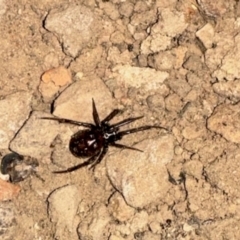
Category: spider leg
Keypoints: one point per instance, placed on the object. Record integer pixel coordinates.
(95, 115)
(117, 145)
(124, 122)
(63, 120)
(139, 129)
(111, 115)
(71, 169)
(101, 156)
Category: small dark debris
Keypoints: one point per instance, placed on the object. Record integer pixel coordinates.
(18, 167)
(130, 47)
(138, 235)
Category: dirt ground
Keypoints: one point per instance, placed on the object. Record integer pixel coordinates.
(177, 63)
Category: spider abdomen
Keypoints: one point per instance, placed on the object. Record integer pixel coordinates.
(86, 143)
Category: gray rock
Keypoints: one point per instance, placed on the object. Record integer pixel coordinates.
(142, 178)
(14, 110)
(144, 78)
(76, 101)
(75, 27)
(35, 138)
(63, 205)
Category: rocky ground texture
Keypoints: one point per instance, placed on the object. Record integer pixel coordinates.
(175, 62)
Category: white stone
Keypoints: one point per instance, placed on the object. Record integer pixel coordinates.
(137, 77)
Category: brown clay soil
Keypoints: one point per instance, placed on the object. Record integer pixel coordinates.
(174, 62)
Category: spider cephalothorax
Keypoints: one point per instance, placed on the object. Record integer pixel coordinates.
(94, 141)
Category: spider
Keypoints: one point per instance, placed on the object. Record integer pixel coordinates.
(94, 141)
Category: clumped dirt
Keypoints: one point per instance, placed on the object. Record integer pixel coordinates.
(176, 63)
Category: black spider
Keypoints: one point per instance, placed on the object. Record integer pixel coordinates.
(93, 142)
